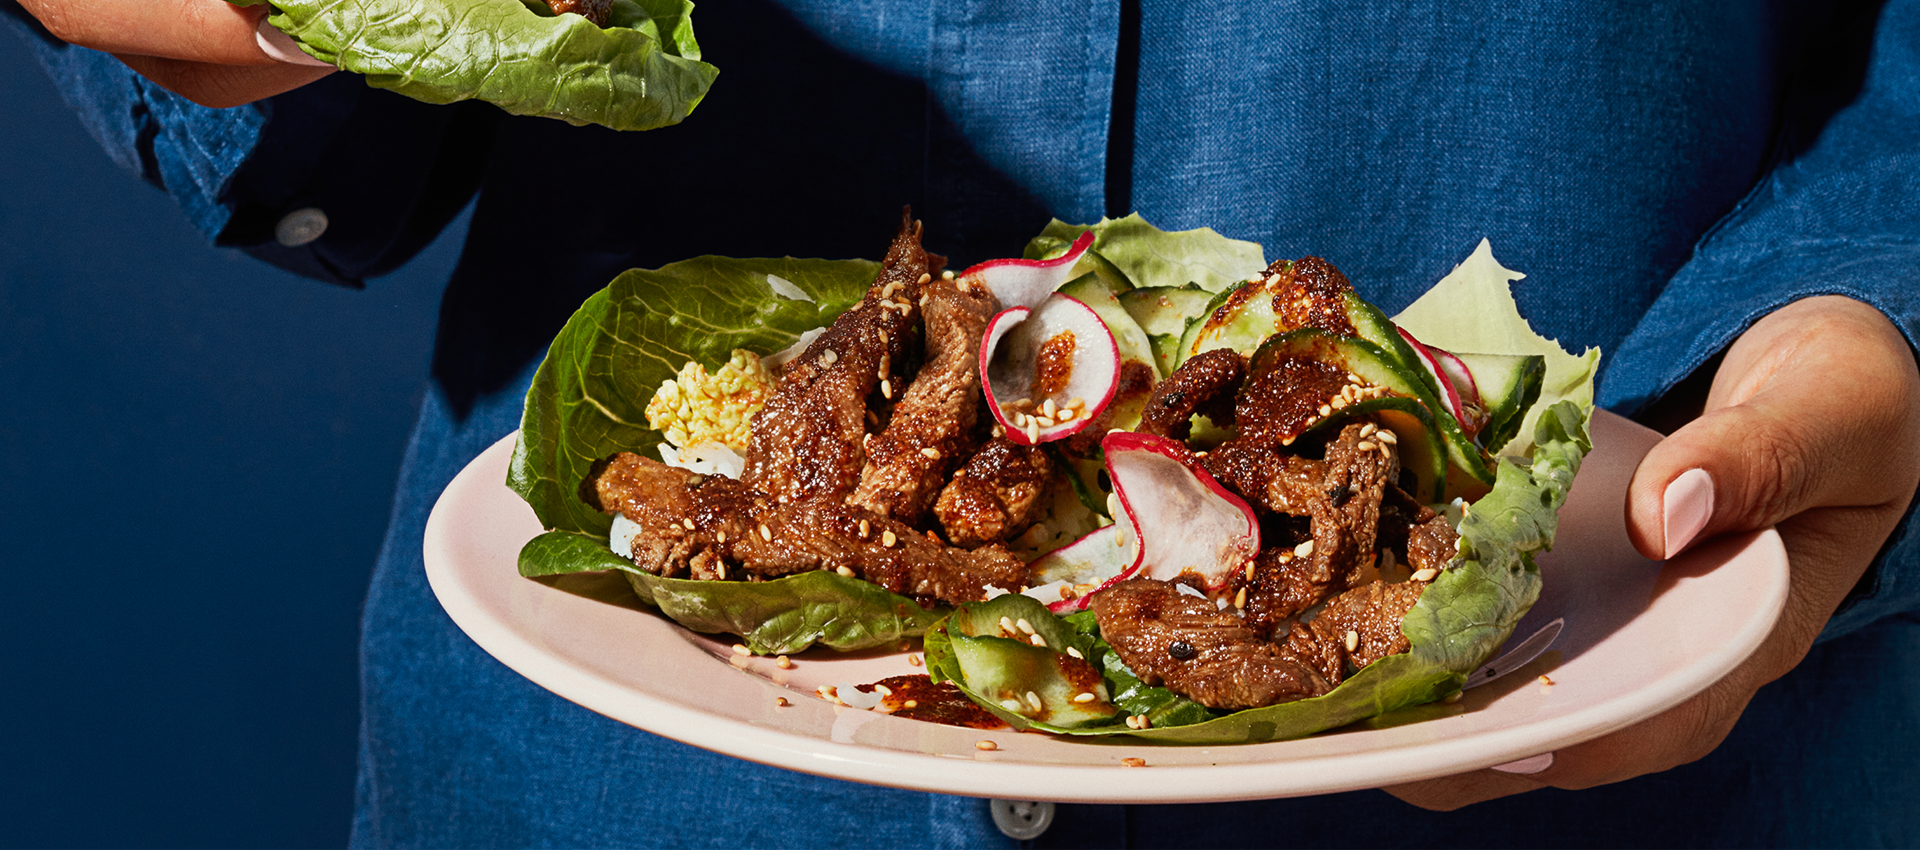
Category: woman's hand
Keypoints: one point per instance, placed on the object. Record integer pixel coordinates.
(204, 50)
(1812, 425)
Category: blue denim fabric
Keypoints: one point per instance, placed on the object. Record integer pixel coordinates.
(1664, 173)
(190, 151)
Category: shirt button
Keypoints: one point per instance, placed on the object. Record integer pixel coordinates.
(301, 226)
(1021, 820)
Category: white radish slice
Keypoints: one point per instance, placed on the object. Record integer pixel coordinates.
(1186, 521)
(1448, 392)
(1063, 338)
(1103, 557)
(1026, 283)
(1474, 409)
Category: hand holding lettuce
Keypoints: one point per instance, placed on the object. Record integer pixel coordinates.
(639, 72)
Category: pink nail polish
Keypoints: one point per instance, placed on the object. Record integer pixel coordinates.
(1527, 766)
(1687, 506)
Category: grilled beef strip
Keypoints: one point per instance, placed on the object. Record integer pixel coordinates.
(1204, 384)
(1372, 614)
(713, 527)
(997, 495)
(808, 441)
(596, 11)
(933, 426)
(1340, 496)
(1199, 651)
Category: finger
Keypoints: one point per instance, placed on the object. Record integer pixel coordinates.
(1802, 414)
(211, 31)
(222, 86)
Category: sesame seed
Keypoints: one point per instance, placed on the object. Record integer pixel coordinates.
(1240, 598)
(1353, 640)
(924, 277)
(1037, 640)
(884, 690)
(999, 431)
(766, 533)
(1133, 762)
(844, 571)
(1006, 625)
(1388, 437)
(912, 703)
(1326, 409)
(1286, 441)
(783, 663)
(887, 539)
(986, 745)
(1365, 446)
(687, 523)
(1049, 409)
(1033, 699)
(1084, 697)
(914, 660)
(1067, 414)
(931, 453)
(886, 388)
(1368, 429)
(721, 535)
(781, 701)
(739, 662)
(722, 570)
(1045, 421)
(1066, 591)
(1120, 538)
(1304, 549)
(948, 275)
(1425, 574)
(1145, 722)
(829, 357)
(1012, 705)
(741, 649)
(1452, 698)
(1249, 572)
(864, 529)
(888, 290)
(1019, 419)
(1544, 680)
(1023, 625)
(1033, 431)
(1075, 653)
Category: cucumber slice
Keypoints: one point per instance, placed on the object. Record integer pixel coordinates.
(1375, 366)
(1509, 385)
(1092, 290)
(1164, 313)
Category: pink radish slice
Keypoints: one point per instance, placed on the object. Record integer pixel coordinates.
(1063, 337)
(1101, 558)
(1448, 392)
(1026, 283)
(1457, 373)
(1186, 521)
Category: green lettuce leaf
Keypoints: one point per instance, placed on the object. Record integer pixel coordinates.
(640, 72)
(777, 617)
(589, 398)
(1149, 256)
(1460, 620)
(1472, 310)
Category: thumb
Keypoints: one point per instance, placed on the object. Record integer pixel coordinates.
(1800, 416)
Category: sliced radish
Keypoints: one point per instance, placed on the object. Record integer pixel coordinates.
(1186, 521)
(1449, 393)
(1026, 283)
(1465, 386)
(1048, 370)
(1104, 556)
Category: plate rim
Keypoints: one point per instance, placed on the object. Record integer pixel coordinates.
(1095, 783)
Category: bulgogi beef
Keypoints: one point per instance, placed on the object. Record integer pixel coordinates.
(997, 495)
(1199, 651)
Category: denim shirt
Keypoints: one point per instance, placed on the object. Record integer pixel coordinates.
(1664, 173)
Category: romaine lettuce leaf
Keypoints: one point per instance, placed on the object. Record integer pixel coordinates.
(640, 72)
(589, 398)
(1472, 309)
(775, 617)
(1149, 256)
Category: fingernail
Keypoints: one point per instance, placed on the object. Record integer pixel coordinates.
(282, 48)
(1687, 507)
(1529, 765)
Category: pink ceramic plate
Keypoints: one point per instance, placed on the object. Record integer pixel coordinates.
(1640, 637)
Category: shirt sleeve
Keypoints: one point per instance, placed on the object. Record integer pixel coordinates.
(1838, 213)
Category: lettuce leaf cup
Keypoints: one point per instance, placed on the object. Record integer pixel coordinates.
(639, 72)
